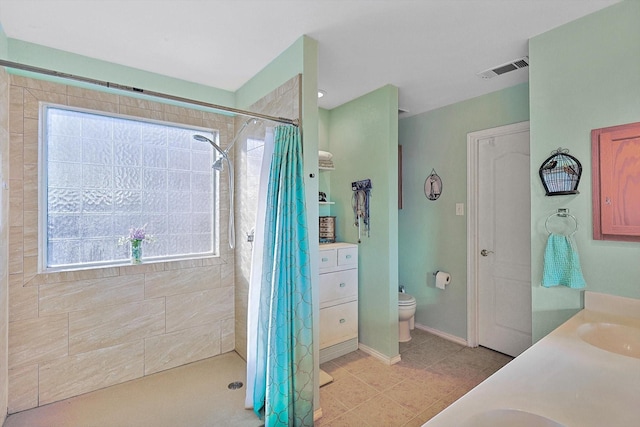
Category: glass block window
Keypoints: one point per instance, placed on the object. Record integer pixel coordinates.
(105, 174)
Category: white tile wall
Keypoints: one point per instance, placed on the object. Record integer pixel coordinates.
(78, 331)
(5, 215)
(282, 102)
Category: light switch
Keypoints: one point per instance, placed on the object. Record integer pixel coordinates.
(459, 209)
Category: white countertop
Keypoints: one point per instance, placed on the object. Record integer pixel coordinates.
(563, 378)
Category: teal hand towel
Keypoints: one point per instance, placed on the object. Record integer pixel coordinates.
(561, 263)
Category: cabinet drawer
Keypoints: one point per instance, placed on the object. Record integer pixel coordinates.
(327, 258)
(348, 256)
(338, 323)
(338, 287)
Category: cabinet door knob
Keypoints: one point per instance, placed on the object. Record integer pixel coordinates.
(342, 285)
(348, 257)
(325, 259)
(343, 320)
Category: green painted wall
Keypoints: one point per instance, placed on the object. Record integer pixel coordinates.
(58, 60)
(584, 75)
(285, 66)
(363, 137)
(324, 177)
(431, 236)
(323, 129)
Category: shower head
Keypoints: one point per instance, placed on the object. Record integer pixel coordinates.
(218, 165)
(202, 138)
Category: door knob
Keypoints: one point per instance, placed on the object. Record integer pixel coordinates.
(485, 252)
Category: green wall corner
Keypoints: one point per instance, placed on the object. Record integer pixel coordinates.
(431, 236)
(363, 136)
(584, 75)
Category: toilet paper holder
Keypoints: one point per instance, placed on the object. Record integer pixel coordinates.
(442, 279)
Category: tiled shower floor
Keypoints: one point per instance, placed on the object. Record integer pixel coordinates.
(432, 374)
(194, 395)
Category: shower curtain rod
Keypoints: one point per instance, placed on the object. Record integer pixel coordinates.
(48, 72)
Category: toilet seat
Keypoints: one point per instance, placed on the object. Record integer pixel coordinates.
(405, 299)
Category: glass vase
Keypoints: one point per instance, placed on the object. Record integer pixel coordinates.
(136, 252)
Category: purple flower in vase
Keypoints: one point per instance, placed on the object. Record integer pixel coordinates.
(136, 234)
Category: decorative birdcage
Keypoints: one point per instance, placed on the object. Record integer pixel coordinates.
(560, 173)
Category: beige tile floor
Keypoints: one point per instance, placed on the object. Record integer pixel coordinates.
(432, 374)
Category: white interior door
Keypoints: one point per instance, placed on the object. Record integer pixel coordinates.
(503, 248)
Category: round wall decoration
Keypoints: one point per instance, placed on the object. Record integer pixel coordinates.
(433, 186)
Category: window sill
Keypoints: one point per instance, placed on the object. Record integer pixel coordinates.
(123, 269)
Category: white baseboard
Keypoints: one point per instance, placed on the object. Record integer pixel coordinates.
(317, 414)
(337, 350)
(375, 353)
(444, 335)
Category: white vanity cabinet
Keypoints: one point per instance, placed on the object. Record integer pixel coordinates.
(338, 300)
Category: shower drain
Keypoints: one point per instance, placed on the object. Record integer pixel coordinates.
(235, 385)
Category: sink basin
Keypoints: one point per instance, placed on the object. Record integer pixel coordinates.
(612, 337)
(509, 418)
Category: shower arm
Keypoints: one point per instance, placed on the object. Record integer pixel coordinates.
(223, 153)
(217, 165)
(244, 125)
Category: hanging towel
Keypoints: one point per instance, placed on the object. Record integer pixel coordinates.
(561, 263)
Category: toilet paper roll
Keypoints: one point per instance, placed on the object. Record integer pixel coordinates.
(442, 279)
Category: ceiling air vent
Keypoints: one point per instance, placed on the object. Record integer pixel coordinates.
(504, 68)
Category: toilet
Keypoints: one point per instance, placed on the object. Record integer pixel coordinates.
(406, 310)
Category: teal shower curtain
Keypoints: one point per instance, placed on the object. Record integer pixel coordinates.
(283, 391)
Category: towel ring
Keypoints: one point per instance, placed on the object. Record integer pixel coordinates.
(563, 213)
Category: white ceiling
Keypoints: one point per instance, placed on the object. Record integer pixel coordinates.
(429, 49)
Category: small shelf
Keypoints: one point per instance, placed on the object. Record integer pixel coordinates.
(322, 168)
(327, 203)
